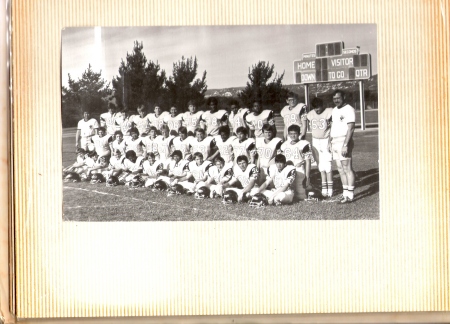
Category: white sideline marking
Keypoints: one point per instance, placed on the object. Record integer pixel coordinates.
(73, 207)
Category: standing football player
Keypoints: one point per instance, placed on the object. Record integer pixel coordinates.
(140, 121)
(258, 118)
(108, 120)
(266, 147)
(156, 118)
(173, 121)
(237, 116)
(243, 145)
(341, 143)
(87, 127)
(214, 118)
(124, 123)
(320, 122)
(191, 119)
(293, 113)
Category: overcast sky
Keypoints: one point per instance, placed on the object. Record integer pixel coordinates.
(225, 52)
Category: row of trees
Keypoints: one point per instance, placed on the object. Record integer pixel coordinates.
(143, 82)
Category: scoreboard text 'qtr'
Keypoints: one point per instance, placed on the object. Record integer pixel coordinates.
(331, 62)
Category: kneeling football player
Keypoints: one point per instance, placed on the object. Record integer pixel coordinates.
(177, 169)
(219, 176)
(151, 169)
(197, 173)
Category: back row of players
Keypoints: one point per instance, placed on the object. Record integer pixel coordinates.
(213, 150)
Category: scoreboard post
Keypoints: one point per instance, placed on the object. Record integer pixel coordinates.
(331, 62)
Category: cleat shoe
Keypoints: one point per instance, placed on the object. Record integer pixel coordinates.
(345, 200)
(333, 199)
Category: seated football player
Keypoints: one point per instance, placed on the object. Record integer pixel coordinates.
(164, 145)
(115, 163)
(223, 146)
(266, 147)
(118, 143)
(258, 118)
(79, 163)
(94, 164)
(131, 166)
(299, 154)
(151, 169)
(177, 169)
(149, 141)
(213, 119)
(196, 175)
(173, 121)
(134, 143)
(237, 116)
(202, 144)
(102, 142)
(191, 119)
(244, 179)
(243, 145)
(182, 143)
(219, 176)
(281, 176)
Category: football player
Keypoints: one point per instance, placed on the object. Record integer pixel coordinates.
(293, 114)
(320, 122)
(124, 123)
(102, 142)
(131, 166)
(266, 147)
(134, 143)
(173, 121)
(282, 177)
(219, 176)
(151, 169)
(149, 141)
(237, 116)
(79, 163)
(202, 143)
(164, 145)
(156, 118)
(299, 154)
(86, 128)
(178, 168)
(197, 172)
(108, 120)
(94, 164)
(118, 143)
(258, 118)
(140, 121)
(214, 118)
(115, 164)
(182, 143)
(245, 176)
(191, 119)
(243, 145)
(223, 143)
(341, 145)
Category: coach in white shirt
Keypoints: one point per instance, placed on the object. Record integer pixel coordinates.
(87, 127)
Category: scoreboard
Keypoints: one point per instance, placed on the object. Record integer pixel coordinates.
(331, 62)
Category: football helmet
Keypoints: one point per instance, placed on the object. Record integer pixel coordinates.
(84, 177)
(258, 201)
(97, 178)
(159, 185)
(202, 193)
(112, 181)
(72, 177)
(136, 182)
(174, 190)
(313, 195)
(230, 197)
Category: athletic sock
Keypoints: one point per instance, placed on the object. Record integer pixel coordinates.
(330, 188)
(324, 188)
(350, 191)
(345, 191)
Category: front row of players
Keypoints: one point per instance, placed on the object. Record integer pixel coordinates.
(257, 175)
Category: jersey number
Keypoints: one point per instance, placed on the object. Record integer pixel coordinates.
(318, 124)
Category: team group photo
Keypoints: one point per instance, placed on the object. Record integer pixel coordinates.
(166, 137)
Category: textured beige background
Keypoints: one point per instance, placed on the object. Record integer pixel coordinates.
(399, 263)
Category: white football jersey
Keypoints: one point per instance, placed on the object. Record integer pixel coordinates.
(199, 171)
(293, 116)
(119, 146)
(87, 128)
(101, 144)
(174, 123)
(251, 172)
(178, 168)
(225, 148)
(134, 145)
(226, 172)
(285, 177)
(212, 121)
(256, 123)
(243, 148)
(191, 121)
(116, 163)
(149, 143)
(320, 124)
(267, 151)
(152, 169)
(183, 145)
(340, 117)
(141, 123)
(203, 147)
(125, 125)
(238, 120)
(108, 121)
(163, 145)
(157, 121)
(297, 152)
(127, 165)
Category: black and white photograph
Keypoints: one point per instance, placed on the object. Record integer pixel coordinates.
(202, 123)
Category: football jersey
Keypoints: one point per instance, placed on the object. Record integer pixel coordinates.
(256, 123)
(267, 151)
(134, 145)
(157, 121)
(280, 179)
(149, 143)
(199, 171)
(127, 165)
(116, 163)
(320, 124)
(203, 147)
(225, 148)
(213, 121)
(152, 169)
(183, 145)
(174, 123)
(191, 121)
(340, 117)
(216, 175)
(293, 116)
(238, 120)
(297, 152)
(87, 127)
(141, 123)
(163, 145)
(101, 144)
(119, 146)
(108, 121)
(251, 172)
(125, 125)
(243, 148)
(178, 168)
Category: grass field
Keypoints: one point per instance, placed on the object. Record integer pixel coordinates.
(96, 202)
